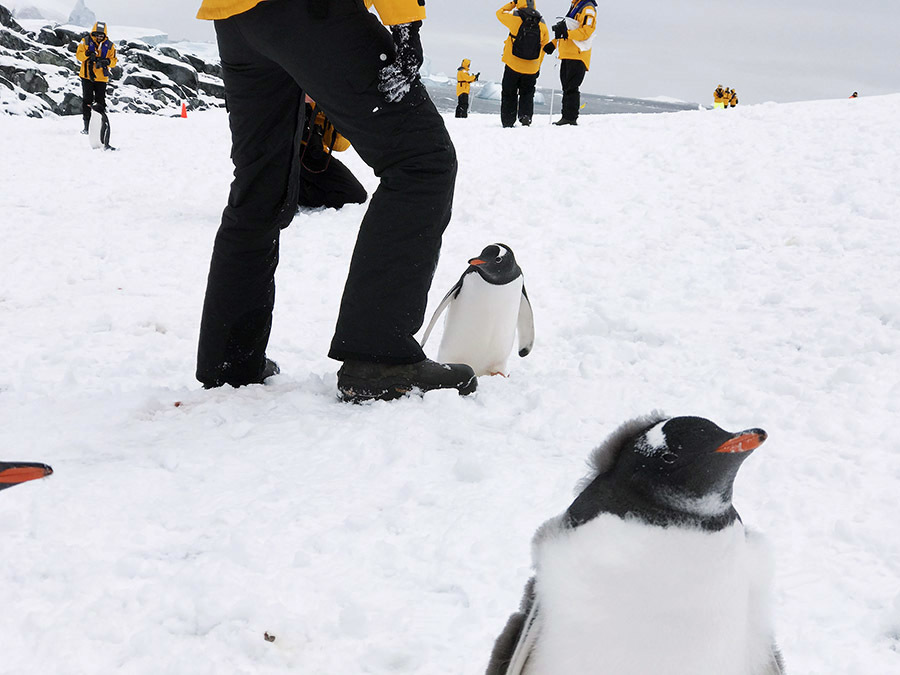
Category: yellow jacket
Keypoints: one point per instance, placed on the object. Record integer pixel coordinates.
(394, 12)
(581, 34)
(222, 9)
(733, 100)
(332, 140)
(513, 22)
(464, 78)
(101, 49)
(719, 95)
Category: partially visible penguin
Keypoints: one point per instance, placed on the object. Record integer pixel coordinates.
(16, 473)
(486, 307)
(650, 570)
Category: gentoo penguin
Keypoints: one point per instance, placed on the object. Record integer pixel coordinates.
(650, 570)
(14, 473)
(486, 307)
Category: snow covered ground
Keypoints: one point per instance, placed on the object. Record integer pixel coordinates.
(739, 265)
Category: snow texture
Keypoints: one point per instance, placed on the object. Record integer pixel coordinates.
(739, 265)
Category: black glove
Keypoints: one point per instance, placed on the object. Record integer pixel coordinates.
(103, 62)
(476, 76)
(561, 30)
(549, 48)
(397, 78)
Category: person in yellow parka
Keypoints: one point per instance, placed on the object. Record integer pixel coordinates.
(719, 97)
(523, 53)
(97, 55)
(464, 80)
(733, 99)
(404, 19)
(324, 179)
(574, 37)
(274, 52)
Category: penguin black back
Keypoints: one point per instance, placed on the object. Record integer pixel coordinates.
(677, 471)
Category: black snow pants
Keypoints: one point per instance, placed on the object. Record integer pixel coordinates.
(92, 92)
(516, 96)
(571, 75)
(462, 105)
(334, 186)
(270, 55)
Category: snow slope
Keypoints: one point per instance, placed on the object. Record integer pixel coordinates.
(739, 265)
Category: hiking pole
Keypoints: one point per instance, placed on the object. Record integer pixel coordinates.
(553, 90)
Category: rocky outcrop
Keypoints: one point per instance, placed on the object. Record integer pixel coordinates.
(39, 74)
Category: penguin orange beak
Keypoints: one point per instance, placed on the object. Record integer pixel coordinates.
(477, 261)
(22, 473)
(744, 441)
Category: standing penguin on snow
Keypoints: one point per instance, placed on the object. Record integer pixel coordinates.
(650, 570)
(486, 307)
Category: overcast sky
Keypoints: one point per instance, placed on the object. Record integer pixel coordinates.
(769, 50)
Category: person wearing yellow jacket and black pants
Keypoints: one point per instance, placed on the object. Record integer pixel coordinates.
(336, 51)
(464, 80)
(97, 55)
(573, 37)
(523, 53)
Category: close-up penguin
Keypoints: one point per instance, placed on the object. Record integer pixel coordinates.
(486, 308)
(16, 473)
(650, 570)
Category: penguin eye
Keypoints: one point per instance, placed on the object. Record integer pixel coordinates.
(669, 457)
(498, 259)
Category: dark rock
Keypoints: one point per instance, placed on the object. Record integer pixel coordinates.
(142, 82)
(50, 37)
(115, 73)
(202, 66)
(54, 58)
(6, 83)
(173, 53)
(70, 105)
(185, 75)
(214, 89)
(7, 20)
(69, 36)
(12, 41)
(28, 79)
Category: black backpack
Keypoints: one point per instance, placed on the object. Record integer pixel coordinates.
(527, 42)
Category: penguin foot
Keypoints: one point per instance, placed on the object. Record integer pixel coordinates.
(360, 381)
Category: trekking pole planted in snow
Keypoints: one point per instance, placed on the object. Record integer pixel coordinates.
(553, 91)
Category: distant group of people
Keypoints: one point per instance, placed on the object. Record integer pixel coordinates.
(526, 45)
(723, 97)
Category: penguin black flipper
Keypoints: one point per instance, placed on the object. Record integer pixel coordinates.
(525, 325)
(776, 665)
(513, 646)
(16, 473)
(451, 295)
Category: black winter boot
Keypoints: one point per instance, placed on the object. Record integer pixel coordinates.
(362, 381)
(87, 123)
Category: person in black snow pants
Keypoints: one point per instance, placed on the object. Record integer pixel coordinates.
(365, 78)
(97, 55)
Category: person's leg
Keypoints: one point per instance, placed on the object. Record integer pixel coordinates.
(87, 99)
(337, 61)
(334, 187)
(462, 105)
(264, 107)
(100, 96)
(571, 74)
(509, 94)
(526, 98)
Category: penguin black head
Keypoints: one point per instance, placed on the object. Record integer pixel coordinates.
(496, 265)
(667, 471)
(15, 473)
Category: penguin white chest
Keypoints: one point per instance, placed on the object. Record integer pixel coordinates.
(623, 597)
(480, 327)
